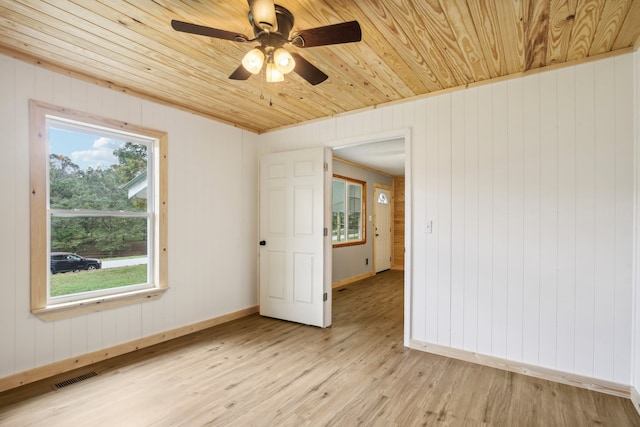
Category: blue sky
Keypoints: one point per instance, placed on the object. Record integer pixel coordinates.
(85, 150)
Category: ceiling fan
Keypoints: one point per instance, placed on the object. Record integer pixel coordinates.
(272, 26)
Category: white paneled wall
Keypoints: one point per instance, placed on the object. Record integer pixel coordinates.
(213, 170)
(529, 184)
(635, 361)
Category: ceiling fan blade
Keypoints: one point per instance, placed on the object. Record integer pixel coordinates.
(240, 73)
(201, 30)
(308, 71)
(345, 32)
(263, 14)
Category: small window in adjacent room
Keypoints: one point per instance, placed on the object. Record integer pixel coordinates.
(98, 212)
(348, 211)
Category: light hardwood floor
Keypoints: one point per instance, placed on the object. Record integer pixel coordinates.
(263, 372)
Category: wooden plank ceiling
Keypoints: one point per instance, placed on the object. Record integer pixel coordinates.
(409, 49)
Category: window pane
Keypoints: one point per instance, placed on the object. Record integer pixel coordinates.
(89, 171)
(348, 214)
(84, 249)
(355, 211)
(339, 229)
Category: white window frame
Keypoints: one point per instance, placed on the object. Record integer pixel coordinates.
(41, 116)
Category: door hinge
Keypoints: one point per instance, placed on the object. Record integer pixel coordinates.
(324, 296)
(326, 167)
(326, 232)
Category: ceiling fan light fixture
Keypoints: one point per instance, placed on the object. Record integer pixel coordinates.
(272, 27)
(283, 60)
(253, 61)
(273, 74)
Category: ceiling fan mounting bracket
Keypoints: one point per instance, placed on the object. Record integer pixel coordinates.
(277, 38)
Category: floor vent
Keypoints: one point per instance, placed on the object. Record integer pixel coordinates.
(77, 379)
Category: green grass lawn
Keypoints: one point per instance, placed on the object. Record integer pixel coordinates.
(93, 280)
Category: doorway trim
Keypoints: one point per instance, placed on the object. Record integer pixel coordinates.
(405, 134)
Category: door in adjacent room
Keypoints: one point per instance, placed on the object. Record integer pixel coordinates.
(382, 227)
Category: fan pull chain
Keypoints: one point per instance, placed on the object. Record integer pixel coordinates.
(262, 90)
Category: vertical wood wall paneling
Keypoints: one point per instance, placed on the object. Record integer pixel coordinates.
(549, 220)
(635, 351)
(585, 158)
(457, 218)
(532, 224)
(229, 142)
(444, 223)
(432, 252)
(500, 248)
(94, 331)
(250, 185)
(515, 227)
(624, 132)
(604, 219)
(25, 343)
(471, 220)
(62, 338)
(485, 219)
(398, 223)
(566, 219)
(8, 188)
(419, 154)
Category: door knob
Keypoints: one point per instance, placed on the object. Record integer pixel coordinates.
(263, 242)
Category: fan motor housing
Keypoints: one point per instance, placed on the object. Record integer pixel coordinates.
(275, 38)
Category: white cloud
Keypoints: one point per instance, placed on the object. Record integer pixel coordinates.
(100, 156)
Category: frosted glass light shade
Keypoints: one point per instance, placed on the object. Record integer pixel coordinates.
(273, 74)
(253, 61)
(283, 60)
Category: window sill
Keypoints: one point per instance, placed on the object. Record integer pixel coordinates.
(345, 244)
(77, 308)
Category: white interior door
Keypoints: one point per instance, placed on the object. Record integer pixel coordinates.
(295, 249)
(382, 229)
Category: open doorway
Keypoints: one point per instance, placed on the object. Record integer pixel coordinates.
(388, 154)
(380, 167)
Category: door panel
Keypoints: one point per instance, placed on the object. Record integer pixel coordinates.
(382, 242)
(293, 262)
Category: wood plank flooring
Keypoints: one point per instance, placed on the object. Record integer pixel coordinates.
(263, 372)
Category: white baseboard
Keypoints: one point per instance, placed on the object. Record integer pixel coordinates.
(635, 399)
(67, 365)
(576, 380)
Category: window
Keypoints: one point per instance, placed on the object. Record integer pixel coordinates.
(349, 201)
(98, 212)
